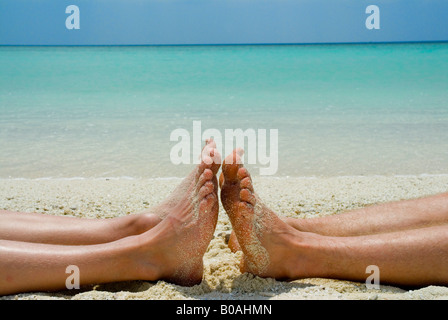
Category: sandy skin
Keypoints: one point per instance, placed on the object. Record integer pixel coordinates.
(262, 236)
(188, 223)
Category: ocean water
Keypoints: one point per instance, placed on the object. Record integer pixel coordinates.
(371, 109)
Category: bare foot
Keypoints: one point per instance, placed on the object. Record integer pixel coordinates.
(173, 250)
(268, 244)
(232, 240)
(154, 215)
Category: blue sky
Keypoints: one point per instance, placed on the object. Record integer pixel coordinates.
(135, 22)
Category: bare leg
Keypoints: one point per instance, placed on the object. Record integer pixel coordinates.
(381, 218)
(41, 228)
(416, 257)
(272, 248)
(173, 250)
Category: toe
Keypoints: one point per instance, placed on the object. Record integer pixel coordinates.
(231, 165)
(207, 175)
(208, 202)
(243, 173)
(246, 183)
(210, 142)
(210, 158)
(247, 196)
(206, 189)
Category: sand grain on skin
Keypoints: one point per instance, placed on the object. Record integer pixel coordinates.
(254, 248)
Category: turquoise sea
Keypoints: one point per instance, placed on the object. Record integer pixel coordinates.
(371, 109)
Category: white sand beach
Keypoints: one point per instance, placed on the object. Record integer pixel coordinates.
(304, 198)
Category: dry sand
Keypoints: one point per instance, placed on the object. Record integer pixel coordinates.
(295, 197)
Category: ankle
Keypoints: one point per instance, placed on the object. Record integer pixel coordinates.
(310, 257)
(144, 261)
(134, 224)
(313, 225)
(145, 221)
